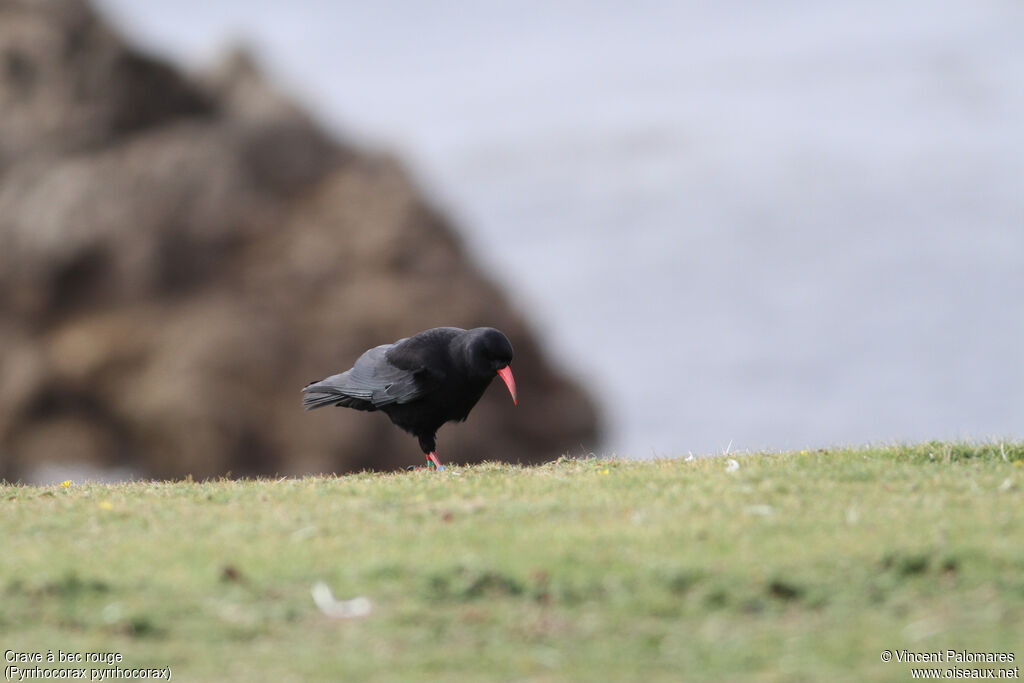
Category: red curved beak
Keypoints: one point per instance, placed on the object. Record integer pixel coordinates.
(510, 382)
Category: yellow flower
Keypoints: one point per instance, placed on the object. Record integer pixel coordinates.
(804, 453)
(106, 505)
(1018, 463)
(66, 483)
(604, 471)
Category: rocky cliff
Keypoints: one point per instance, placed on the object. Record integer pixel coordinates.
(180, 254)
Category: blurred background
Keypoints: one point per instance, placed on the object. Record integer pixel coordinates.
(778, 226)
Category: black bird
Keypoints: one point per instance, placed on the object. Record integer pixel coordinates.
(422, 381)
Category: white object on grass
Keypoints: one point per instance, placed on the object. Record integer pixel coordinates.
(339, 609)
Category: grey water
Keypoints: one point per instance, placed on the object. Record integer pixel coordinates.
(744, 225)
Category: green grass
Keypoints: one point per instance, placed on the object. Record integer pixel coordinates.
(796, 566)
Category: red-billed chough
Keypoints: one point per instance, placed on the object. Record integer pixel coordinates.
(422, 381)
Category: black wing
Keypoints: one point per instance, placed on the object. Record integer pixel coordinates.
(373, 382)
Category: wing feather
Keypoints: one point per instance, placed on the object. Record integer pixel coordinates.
(372, 383)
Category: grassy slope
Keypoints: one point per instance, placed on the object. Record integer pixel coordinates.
(792, 567)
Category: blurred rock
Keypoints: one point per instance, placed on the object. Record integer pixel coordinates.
(179, 256)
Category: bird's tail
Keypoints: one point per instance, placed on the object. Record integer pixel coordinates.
(334, 391)
(320, 394)
(313, 400)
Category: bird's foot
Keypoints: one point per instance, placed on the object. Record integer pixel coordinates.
(432, 461)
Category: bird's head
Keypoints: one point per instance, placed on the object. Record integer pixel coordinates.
(490, 352)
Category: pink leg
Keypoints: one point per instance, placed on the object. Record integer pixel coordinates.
(432, 457)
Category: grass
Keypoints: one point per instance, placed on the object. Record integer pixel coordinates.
(796, 566)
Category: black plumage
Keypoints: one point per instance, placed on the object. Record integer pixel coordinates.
(421, 382)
